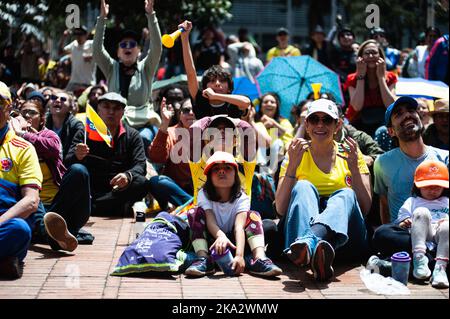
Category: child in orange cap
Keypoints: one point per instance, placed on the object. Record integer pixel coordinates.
(223, 212)
(426, 213)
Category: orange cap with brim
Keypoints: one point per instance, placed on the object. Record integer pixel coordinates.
(219, 158)
(431, 173)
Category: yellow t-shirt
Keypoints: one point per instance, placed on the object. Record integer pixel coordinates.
(276, 51)
(19, 167)
(273, 132)
(49, 188)
(326, 184)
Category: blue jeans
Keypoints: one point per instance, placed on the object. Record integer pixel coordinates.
(147, 134)
(341, 214)
(15, 237)
(165, 190)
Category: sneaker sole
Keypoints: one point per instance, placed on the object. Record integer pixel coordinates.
(439, 285)
(300, 254)
(56, 228)
(271, 273)
(322, 261)
(422, 277)
(197, 273)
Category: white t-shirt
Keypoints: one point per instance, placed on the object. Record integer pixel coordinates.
(225, 213)
(82, 71)
(438, 208)
(422, 55)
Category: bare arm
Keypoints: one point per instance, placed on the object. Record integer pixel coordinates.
(25, 207)
(357, 94)
(387, 93)
(285, 184)
(101, 56)
(385, 216)
(188, 60)
(241, 101)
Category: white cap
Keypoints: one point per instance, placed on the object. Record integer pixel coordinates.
(325, 106)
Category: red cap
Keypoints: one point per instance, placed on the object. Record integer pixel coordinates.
(219, 157)
(431, 173)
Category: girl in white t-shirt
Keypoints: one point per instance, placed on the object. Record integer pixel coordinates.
(223, 212)
(426, 213)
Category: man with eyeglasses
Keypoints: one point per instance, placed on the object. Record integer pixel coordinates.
(20, 182)
(83, 66)
(61, 121)
(131, 78)
(117, 173)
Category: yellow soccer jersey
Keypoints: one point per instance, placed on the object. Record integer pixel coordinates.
(276, 51)
(326, 184)
(19, 166)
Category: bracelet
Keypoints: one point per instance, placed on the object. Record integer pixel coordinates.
(290, 176)
(360, 77)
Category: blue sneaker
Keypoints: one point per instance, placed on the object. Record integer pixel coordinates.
(265, 268)
(420, 268)
(202, 266)
(322, 261)
(301, 250)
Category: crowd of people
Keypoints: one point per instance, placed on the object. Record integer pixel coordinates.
(367, 178)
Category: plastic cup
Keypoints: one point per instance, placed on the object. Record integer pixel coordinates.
(400, 266)
(224, 261)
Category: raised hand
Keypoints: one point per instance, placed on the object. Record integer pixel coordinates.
(297, 148)
(381, 68)
(104, 9)
(351, 149)
(361, 67)
(149, 6)
(166, 113)
(187, 26)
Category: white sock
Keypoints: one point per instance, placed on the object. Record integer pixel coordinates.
(441, 263)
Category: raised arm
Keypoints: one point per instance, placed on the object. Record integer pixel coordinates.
(151, 61)
(101, 56)
(188, 60)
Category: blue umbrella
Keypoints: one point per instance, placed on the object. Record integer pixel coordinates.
(291, 79)
(243, 86)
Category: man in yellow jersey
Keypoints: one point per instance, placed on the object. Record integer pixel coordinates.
(20, 182)
(283, 48)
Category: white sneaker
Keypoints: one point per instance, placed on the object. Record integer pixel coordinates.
(439, 278)
(421, 270)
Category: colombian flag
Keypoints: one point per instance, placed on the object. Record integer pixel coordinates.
(96, 129)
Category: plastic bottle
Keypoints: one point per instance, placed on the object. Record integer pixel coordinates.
(139, 213)
(224, 261)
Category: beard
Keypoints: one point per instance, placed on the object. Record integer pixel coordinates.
(410, 133)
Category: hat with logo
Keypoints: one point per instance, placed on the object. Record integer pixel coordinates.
(219, 157)
(431, 173)
(400, 101)
(325, 106)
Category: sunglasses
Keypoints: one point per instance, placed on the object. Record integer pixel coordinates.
(186, 110)
(55, 97)
(30, 113)
(315, 119)
(128, 44)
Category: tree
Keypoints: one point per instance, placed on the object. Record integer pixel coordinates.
(398, 17)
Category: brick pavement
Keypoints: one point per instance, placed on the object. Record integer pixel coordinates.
(85, 274)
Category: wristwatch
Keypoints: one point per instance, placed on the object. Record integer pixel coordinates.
(360, 77)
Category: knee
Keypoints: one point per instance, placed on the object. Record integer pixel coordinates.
(80, 171)
(19, 231)
(381, 234)
(196, 217)
(269, 226)
(443, 227)
(422, 213)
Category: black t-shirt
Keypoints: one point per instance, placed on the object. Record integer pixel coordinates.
(203, 108)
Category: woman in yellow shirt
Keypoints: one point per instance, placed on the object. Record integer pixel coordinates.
(274, 130)
(323, 194)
